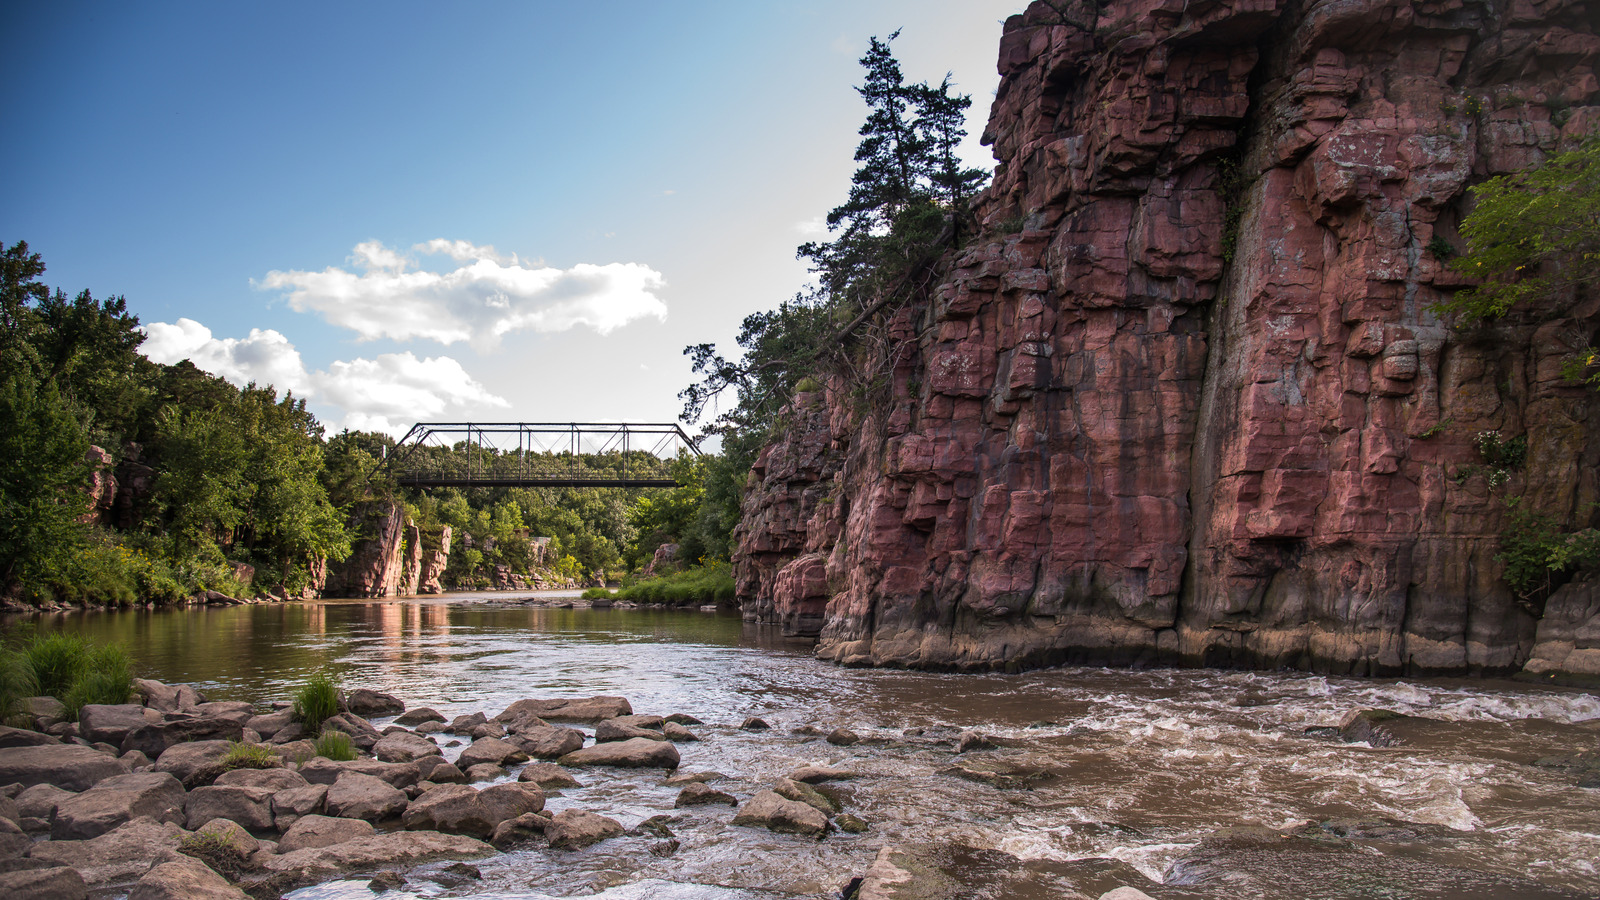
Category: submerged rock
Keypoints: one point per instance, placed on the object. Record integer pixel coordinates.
(636, 752)
(697, 794)
(572, 829)
(587, 710)
(769, 810)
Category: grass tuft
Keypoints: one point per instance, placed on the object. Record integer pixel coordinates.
(316, 701)
(335, 745)
(249, 756)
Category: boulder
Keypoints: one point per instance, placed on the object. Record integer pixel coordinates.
(651, 722)
(971, 740)
(432, 728)
(679, 734)
(634, 753)
(322, 831)
(549, 741)
(547, 775)
(572, 829)
(40, 801)
(271, 723)
(521, 830)
(361, 732)
(251, 807)
(588, 710)
(754, 723)
(289, 806)
(275, 779)
(21, 737)
(404, 746)
(819, 774)
(452, 809)
(226, 831)
(137, 761)
(155, 739)
(490, 750)
(294, 732)
(487, 729)
(365, 854)
(193, 764)
(683, 719)
(606, 732)
(118, 856)
(232, 710)
(43, 883)
(417, 716)
(775, 813)
(790, 789)
(327, 771)
(71, 767)
(843, 737)
(435, 769)
(698, 794)
(485, 772)
(510, 800)
(465, 724)
(358, 796)
(116, 801)
(184, 879)
(368, 703)
(111, 723)
(851, 824)
(167, 698)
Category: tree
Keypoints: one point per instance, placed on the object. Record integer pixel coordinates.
(43, 472)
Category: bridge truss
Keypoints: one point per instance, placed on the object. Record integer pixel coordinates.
(537, 454)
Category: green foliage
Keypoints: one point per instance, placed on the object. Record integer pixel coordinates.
(17, 683)
(68, 667)
(106, 677)
(218, 851)
(709, 583)
(316, 701)
(1502, 455)
(334, 745)
(57, 659)
(42, 482)
(249, 756)
(1532, 237)
(1441, 249)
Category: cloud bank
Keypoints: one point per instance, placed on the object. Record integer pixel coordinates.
(486, 296)
(386, 393)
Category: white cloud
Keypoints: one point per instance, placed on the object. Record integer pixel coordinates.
(386, 393)
(816, 227)
(481, 300)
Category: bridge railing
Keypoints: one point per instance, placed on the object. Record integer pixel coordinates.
(538, 454)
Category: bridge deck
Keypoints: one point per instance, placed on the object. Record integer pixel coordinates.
(555, 481)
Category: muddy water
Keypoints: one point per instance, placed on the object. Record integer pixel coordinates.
(1101, 778)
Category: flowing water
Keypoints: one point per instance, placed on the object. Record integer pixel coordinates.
(1100, 778)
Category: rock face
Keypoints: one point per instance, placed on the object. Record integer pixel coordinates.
(374, 567)
(1185, 401)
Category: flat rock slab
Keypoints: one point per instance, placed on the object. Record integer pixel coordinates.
(634, 753)
(358, 796)
(309, 832)
(21, 737)
(404, 746)
(116, 857)
(326, 771)
(52, 883)
(548, 775)
(251, 807)
(362, 854)
(770, 811)
(193, 764)
(184, 879)
(609, 731)
(101, 723)
(68, 766)
(588, 709)
(276, 779)
(117, 801)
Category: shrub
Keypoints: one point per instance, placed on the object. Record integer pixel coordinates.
(597, 593)
(249, 756)
(57, 659)
(335, 745)
(316, 701)
(106, 677)
(710, 583)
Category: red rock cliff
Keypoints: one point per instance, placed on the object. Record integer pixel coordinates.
(1186, 401)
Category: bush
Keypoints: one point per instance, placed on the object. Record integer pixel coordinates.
(316, 701)
(597, 593)
(57, 659)
(335, 745)
(711, 583)
(106, 677)
(249, 756)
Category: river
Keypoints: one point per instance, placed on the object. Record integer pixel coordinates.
(1101, 778)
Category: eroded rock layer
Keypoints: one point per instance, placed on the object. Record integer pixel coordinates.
(1186, 402)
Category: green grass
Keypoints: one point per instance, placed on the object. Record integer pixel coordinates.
(335, 745)
(64, 666)
(316, 701)
(106, 677)
(703, 584)
(17, 683)
(57, 660)
(249, 756)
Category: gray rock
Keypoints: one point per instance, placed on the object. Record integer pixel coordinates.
(154, 739)
(21, 737)
(819, 774)
(790, 789)
(700, 795)
(465, 724)
(275, 779)
(490, 750)
(358, 796)
(547, 775)
(572, 829)
(634, 753)
(485, 772)
(607, 732)
(404, 746)
(65, 766)
(361, 732)
(116, 801)
(526, 828)
(251, 807)
(770, 811)
(679, 734)
(369, 853)
(326, 771)
(368, 703)
(418, 716)
(193, 764)
(322, 831)
(111, 723)
(44, 883)
(452, 809)
(288, 806)
(510, 800)
(231, 833)
(548, 742)
(589, 710)
(116, 857)
(40, 801)
(271, 723)
(184, 879)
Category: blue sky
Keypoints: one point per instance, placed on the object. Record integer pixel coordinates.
(492, 211)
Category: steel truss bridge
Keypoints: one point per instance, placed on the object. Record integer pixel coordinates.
(537, 454)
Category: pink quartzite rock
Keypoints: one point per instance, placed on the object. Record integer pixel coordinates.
(1184, 399)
